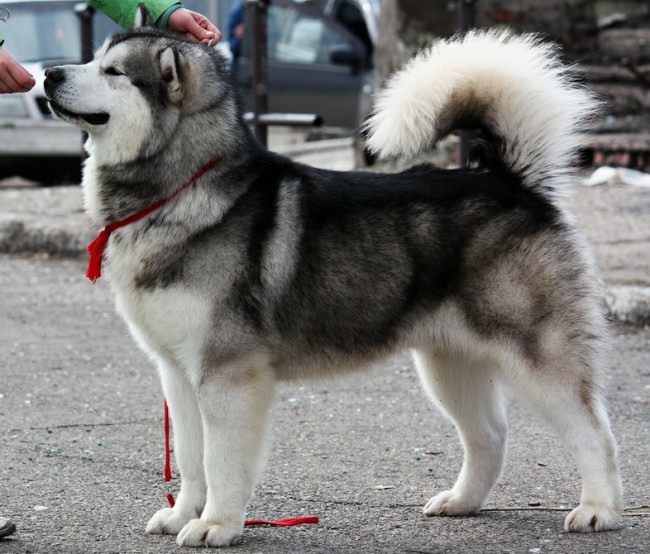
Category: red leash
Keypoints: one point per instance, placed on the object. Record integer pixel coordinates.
(283, 522)
(170, 498)
(168, 457)
(96, 248)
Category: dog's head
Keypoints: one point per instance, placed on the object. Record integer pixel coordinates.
(138, 87)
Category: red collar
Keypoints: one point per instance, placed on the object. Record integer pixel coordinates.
(96, 247)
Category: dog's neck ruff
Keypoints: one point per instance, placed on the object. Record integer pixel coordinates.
(96, 248)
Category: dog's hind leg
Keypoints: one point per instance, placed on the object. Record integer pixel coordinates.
(564, 393)
(188, 451)
(469, 395)
(235, 403)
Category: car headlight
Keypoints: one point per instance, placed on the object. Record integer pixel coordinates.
(12, 105)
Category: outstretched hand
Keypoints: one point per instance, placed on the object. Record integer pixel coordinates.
(194, 25)
(13, 76)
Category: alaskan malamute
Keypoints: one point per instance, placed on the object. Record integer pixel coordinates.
(237, 268)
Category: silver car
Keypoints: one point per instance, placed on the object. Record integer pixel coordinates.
(40, 34)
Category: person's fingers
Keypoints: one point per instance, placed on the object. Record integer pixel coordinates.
(215, 38)
(24, 80)
(210, 28)
(15, 79)
(13, 88)
(194, 25)
(5, 80)
(13, 76)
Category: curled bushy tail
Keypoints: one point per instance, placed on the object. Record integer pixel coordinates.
(512, 87)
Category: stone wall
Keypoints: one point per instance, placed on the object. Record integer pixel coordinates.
(608, 40)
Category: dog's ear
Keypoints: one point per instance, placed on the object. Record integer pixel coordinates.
(172, 66)
(142, 17)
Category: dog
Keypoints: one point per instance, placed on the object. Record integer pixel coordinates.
(245, 268)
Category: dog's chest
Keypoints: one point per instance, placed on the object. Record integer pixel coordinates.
(171, 322)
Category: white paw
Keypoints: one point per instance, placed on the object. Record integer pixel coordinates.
(167, 521)
(588, 518)
(200, 532)
(449, 503)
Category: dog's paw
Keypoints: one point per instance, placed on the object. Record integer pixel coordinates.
(167, 521)
(589, 518)
(449, 503)
(200, 532)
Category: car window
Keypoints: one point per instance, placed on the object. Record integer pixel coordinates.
(295, 37)
(43, 31)
(349, 15)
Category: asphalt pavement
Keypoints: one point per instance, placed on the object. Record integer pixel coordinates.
(81, 429)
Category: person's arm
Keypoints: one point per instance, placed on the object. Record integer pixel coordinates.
(123, 11)
(13, 76)
(166, 14)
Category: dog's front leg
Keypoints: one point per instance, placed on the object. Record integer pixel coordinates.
(234, 405)
(188, 450)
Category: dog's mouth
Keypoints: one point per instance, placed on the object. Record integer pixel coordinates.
(99, 118)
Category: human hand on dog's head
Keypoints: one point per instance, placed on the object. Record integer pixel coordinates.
(194, 25)
(13, 76)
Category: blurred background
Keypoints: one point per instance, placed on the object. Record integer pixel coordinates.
(326, 58)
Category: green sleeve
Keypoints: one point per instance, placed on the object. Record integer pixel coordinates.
(123, 11)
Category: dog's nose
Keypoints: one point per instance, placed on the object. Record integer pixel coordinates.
(55, 74)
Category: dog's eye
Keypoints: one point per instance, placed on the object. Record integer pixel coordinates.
(112, 71)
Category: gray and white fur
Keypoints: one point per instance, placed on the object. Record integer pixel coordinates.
(267, 270)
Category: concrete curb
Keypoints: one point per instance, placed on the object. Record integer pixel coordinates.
(629, 304)
(336, 154)
(17, 237)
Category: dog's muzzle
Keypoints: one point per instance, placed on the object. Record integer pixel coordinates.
(55, 77)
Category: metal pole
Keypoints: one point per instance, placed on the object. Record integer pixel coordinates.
(466, 15)
(85, 14)
(258, 35)
(211, 10)
(466, 20)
